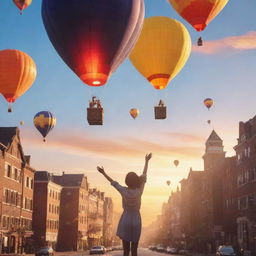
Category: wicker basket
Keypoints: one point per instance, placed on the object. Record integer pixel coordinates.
(95, 116)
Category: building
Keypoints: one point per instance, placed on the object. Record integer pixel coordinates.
(246, 185)
(108, 231)
(73, 225)
(16, 196)
(95, 217)
(46, 209)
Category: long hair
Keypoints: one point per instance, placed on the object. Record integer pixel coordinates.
(132, 180)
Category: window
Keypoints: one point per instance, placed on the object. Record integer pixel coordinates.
(49, 207)
(31, 183)
(27, 182)
(8, 171)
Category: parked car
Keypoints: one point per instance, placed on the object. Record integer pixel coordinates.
(160, 248)
(98, 250)
(171, 250)
(183, 252)
(45, 251)
(225, 250)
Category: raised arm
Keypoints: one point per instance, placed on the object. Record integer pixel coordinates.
(147, 158)
(102, 171)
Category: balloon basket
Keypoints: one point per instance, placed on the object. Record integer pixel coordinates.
(200, 41)
(160, 112)
(95, 116)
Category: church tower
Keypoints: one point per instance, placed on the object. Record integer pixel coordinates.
(214, 153)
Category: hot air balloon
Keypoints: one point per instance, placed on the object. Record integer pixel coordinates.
(168, 182)
(176, 162)
(99, 37)
(199, 13)
(134, 112)
(208, 121)
(22, 122)
(22, 4)
(44, 122)
(208, 103)
(161, 50)
(17, 74)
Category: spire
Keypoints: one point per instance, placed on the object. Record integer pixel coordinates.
(214, 143)
(214, 137)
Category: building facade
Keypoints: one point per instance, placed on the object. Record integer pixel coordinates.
(73, 226)
(16, 193)
(46, 210)
(108, 231)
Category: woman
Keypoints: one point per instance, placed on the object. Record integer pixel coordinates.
(129, 227)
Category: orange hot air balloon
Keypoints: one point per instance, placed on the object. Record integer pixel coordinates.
(199, 13)
(176, 162)
(17, 74)
(208, 103)
(134, 112)
(22, 4)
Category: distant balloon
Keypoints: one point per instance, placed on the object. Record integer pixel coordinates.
(176, 162)
(44, 122)
(134, 112)
(199, 13)
(168, 182)
(21, 122)
(22, 4)
(208, 102)
(161, 51)
(93, 37)
(209, 121)
(17, 74)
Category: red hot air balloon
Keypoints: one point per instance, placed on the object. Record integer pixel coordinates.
(100, 36)
(208, 103)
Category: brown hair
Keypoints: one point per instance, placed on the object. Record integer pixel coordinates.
(132, 180)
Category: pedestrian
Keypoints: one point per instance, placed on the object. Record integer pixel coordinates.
(129, 227)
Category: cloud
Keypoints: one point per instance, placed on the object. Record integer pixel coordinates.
(233, 43)
(78, 143)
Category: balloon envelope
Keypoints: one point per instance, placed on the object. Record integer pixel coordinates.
(17, 73)
(134, 112)
(22, 4)
(176, 162)
(161, 51)
(199, 13)
(99, 37)
(44, 122)
(208, 102)
(168, 182)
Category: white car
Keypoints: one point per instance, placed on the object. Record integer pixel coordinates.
(171, 250)
(45, 251)
(98, 250)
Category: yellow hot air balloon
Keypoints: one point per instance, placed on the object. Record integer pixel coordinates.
(134, 112)
(17, 74)
(162, 50)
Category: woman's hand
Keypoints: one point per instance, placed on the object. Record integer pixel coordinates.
(101, 169)
(148, 157)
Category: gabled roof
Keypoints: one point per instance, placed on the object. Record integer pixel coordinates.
(7, 134)
(214, 137)
(69, 180)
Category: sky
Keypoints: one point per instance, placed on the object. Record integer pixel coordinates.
(223, 69)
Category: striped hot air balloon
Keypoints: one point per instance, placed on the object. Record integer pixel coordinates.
(17, 74)
(44, 122)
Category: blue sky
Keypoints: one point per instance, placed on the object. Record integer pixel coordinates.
(227, 75)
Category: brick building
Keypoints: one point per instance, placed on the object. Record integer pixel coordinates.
(95, 217)
(46, 209)
(246, 185)
(73, 226)
(108, 231)
(16, 193)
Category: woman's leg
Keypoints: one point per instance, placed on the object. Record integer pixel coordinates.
(134, 248)
(126, 247)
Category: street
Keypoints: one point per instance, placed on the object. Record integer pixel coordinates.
(142, 252)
